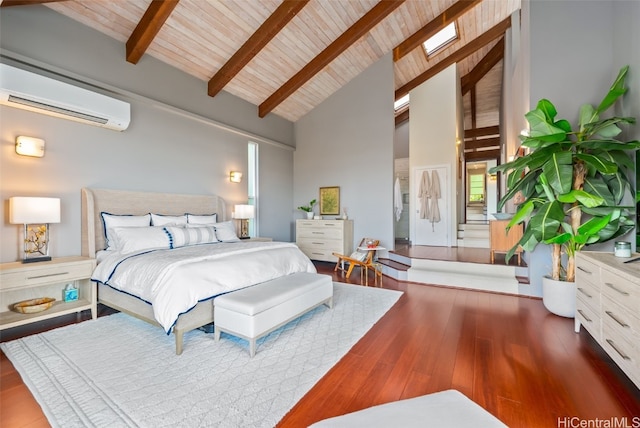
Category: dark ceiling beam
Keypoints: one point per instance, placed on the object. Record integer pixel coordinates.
(458, 9)
(9, 3)
(287, 10)
(331, 52)
(150, 24)
(402, 117)
(481, 132)
(495, 55)
(480, 41)
(482, 144)
(482, 155)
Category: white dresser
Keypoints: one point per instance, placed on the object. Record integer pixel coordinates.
(318, 239)
(608, 306)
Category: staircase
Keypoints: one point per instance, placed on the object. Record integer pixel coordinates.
(474, 235)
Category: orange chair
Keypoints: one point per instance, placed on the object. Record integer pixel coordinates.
(361, 257)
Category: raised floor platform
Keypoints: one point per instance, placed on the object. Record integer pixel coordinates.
(456, 266)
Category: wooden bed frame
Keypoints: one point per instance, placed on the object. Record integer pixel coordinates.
(95, 201)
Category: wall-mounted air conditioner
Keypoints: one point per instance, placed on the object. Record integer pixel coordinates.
(30, 91)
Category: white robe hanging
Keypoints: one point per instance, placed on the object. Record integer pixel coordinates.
(423, 194)
(434, 192)
(397, 199)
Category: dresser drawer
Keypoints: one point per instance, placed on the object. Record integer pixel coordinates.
(623, 352)
(620, 290)
(588, 293)
(319, 254)
(588, 271)
(620, 319)
(323, 245)
(39, 275)
(311, 233)
(589, 318)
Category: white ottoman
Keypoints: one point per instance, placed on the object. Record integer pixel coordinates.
(446, 409)
(256, 311)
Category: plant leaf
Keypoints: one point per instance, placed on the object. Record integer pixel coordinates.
(558, 171)
(617, 89)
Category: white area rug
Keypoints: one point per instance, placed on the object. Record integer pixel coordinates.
(118, 371)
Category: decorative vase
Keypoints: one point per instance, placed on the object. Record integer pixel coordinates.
(310, 215)
(559, 297)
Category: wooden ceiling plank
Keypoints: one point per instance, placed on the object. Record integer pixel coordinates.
(402, 117)
(495, 55)
(482, 155)
(480, 144)
(150, 24)
(481, 132)
(331, 52)
(480, 41)
(258, 40)
(9, 3)
(458, 9)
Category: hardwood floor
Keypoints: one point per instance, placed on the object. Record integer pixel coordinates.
(507, 353)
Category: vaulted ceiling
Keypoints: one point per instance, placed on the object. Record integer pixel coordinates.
(286, 57)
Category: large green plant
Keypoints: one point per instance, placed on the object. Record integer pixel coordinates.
(573, 180)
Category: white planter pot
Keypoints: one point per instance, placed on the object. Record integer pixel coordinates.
(559, 297)
(310, 215)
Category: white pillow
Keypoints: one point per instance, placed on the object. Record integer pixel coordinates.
(226, 231)
(111, 221)
(132, 239)
(181, 237)
(202, 219)
(165, 220)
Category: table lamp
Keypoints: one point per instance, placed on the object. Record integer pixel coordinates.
(244, 213)
(35, 214)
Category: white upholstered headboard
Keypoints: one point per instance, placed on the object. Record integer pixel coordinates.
(95, 201)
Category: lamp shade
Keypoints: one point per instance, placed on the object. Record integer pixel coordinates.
(28, 210)
(244, 211)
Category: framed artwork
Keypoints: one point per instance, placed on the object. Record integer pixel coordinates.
(330, 200)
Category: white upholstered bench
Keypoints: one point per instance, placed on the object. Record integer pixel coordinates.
(258, 310)
(445, 409)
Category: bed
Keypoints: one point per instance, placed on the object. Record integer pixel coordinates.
(260, 261)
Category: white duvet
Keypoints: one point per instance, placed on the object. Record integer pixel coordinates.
(174, 281)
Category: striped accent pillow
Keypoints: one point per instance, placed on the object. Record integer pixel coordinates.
(182, 237)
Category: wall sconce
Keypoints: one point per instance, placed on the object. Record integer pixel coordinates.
(235, 176)
(244, 213)
(29, 146)
(35, 214)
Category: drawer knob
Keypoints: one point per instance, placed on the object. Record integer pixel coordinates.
(610, 285)
(584, 316)
(622, 323)
(48, 275)
(584, 270)
(584, 292)
(615, 348)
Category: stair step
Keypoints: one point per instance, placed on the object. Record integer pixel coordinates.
(474, 242)
(394, 265)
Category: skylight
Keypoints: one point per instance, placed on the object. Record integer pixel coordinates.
(401, 103)
(442, 38)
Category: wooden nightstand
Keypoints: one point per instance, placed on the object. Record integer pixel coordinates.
(20, 281)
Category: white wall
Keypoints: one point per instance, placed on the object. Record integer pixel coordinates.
(432, 137)
(347, 141)
(165, 149)
(571, 64)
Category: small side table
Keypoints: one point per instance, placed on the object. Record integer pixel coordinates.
(372, 264)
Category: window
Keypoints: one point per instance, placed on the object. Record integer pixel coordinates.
(441, 39)
(476, 188)
(401, 103)
(252, 185)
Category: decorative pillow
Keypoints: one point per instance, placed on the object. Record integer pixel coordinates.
(165, 220)
(202, 219)
(111, 221)
(226, 231)
(181, 237)
(132, 239)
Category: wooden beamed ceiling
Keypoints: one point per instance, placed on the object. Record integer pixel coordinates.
(287, 56)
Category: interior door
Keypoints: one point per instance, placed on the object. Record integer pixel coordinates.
(432, 206)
